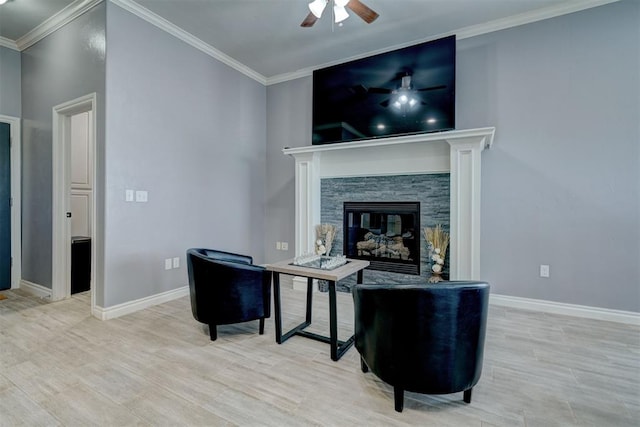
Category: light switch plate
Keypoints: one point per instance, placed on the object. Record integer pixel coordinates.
(176, 262)
(128, 195)
(285, 246)
(167, 264)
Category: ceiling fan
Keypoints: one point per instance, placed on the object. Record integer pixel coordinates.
(339, 11)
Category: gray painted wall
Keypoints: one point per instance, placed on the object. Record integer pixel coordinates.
(561, 186)
(10, 100)
(192, 132)
(288, 125)
(63, 66)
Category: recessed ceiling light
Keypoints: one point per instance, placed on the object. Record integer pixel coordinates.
(431, 121)
(3, 1)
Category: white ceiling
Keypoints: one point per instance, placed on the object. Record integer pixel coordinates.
(266, 37)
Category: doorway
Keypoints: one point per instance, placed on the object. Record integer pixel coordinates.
(73, 191)
(10, 224)
(5, 206)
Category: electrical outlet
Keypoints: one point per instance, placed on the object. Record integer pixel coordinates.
(167, 264)
(278, 245)
(141, 196)
(285, 246)
(544, 270)
(176, 262)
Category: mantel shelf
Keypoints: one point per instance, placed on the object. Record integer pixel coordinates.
(448, 136)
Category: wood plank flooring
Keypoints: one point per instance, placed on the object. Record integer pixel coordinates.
(60, 366)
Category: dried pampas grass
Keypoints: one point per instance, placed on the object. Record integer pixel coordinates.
(437, 238)
(325, 233)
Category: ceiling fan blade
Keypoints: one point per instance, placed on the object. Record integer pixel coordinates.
(359, 90)
(379, 90)
(363, 11)
(424, 89)
(309, 20)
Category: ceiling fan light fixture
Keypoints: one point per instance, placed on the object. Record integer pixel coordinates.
(339, 13)
(317, 7)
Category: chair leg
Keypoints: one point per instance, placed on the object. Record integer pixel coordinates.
(398, 396)
(467, 395)
(363, 365)
(262, 326)
(213, 332)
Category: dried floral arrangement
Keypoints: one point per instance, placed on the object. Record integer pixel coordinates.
(438, 241)
(325, 233)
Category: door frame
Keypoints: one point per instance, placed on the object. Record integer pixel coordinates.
(61, 200)
(16, 205)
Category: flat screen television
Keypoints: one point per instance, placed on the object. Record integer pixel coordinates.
(402, 92)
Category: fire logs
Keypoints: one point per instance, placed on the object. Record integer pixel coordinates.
(383, 246)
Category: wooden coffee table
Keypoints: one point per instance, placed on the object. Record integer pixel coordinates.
(353, 266)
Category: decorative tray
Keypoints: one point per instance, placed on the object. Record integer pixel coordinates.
(320, 262)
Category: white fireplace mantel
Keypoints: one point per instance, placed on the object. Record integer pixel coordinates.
(456, 152)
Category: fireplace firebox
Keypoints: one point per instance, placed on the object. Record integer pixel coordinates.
(387, 234)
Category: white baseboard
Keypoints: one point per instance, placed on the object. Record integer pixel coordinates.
(140, 304)
(619, 316)
(35, 289)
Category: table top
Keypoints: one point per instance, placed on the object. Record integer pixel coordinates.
(287, 267)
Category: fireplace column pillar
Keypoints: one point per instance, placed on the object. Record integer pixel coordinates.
(464, 243)
(307, 200)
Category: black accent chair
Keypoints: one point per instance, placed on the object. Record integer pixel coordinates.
(227, 288)
(424, 338)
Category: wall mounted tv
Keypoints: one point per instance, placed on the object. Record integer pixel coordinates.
(405, 91)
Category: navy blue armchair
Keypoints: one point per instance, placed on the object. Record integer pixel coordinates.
(227, 288)
(424, 338)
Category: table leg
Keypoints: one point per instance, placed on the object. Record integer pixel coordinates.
(309, 298)
(277, 306)
(298, 330)
(333, 320)
(359, 277)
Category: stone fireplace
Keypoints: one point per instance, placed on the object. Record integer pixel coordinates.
(455, 152)
(429, 191)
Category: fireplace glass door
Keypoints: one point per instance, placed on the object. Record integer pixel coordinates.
(387, 234)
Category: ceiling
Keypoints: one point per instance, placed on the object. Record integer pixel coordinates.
(266, 37)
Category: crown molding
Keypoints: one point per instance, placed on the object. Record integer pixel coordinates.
(530, 17)
(55, 22)
(462, 33)
(79, 7)
(8, 43)
(174, 30)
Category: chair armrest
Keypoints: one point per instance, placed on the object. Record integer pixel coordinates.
(212, 254)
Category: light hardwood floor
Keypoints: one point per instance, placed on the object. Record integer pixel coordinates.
(60, 366)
